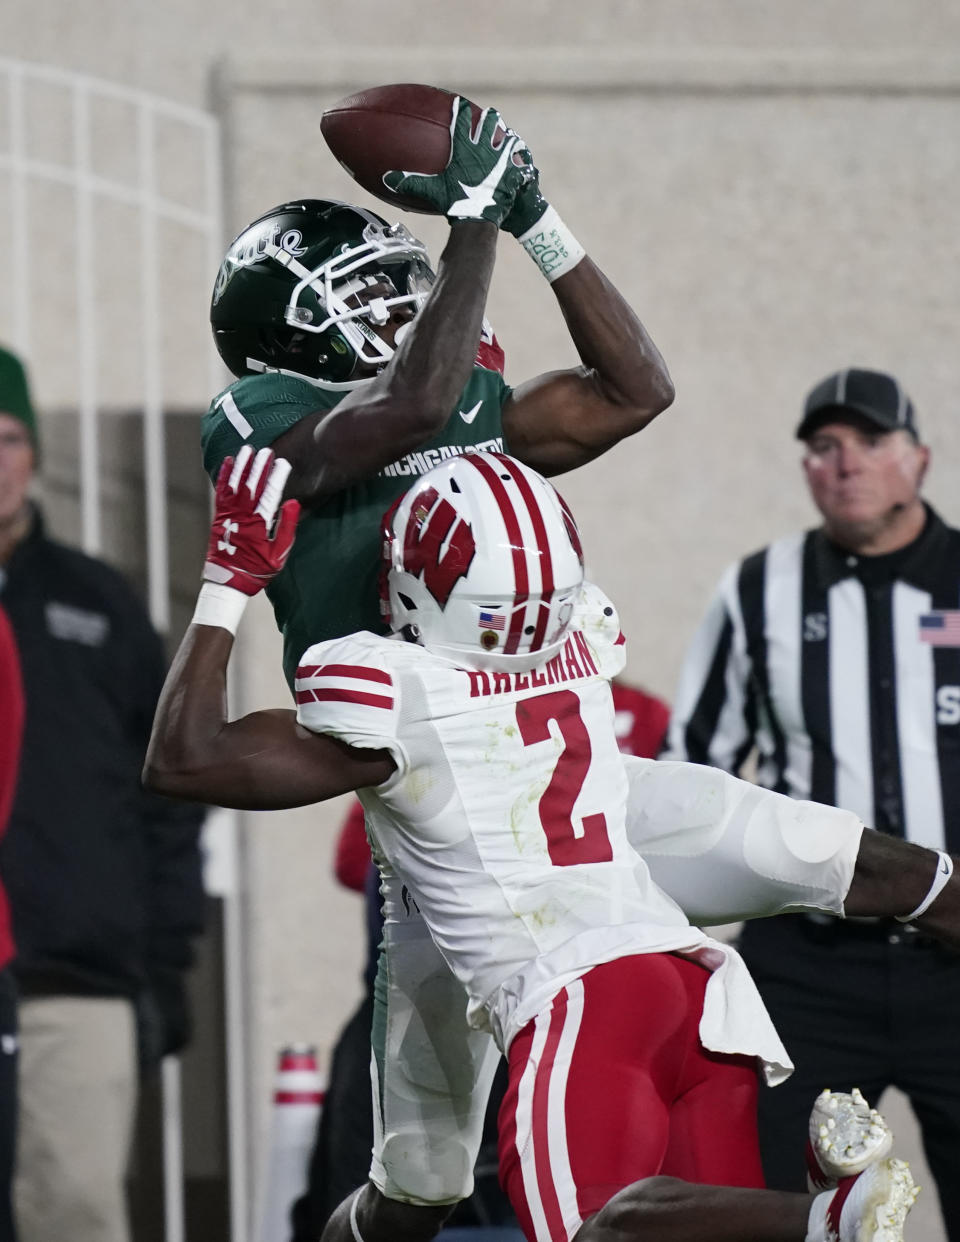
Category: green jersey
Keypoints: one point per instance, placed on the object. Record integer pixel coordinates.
(328, 587)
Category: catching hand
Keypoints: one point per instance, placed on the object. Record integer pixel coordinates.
(252, 533)
(528, 207)
(486, 170)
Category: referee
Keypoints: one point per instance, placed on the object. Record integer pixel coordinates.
(834, 654)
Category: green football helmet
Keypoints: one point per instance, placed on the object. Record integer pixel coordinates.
(302, 288)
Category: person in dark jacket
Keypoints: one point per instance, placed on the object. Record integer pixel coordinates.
(836, 653)
(104, 879)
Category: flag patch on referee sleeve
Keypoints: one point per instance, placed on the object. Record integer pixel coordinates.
(941, 629)
(344, 683)
(490, 621)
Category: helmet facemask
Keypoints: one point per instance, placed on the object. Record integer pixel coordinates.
(332, 298)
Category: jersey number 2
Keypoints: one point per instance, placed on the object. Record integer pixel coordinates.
(566, 848)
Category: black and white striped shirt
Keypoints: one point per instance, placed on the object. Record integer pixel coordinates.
(843, 672)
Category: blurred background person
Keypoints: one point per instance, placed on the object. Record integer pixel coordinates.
(11, 731)
(104, 880)
(641, 719)
(835, 655)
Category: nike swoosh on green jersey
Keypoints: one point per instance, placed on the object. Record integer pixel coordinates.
(469, 415)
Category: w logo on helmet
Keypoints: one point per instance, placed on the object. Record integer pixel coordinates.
(437, 544)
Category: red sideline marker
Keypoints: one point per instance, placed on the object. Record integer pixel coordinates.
(298, 1079)
(297, 1105)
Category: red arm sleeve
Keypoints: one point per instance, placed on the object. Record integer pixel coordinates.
(353, 851)
(11, 718)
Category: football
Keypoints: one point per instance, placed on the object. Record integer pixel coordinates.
(404, 126)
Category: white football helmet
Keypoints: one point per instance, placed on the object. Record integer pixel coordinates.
(484, 563)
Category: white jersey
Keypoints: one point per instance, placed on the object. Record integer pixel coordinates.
(506, 821)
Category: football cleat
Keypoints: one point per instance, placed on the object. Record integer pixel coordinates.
(846, 1136)
(870, 1207)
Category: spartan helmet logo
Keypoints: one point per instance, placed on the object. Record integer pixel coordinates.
(438, 545)
(253, 247)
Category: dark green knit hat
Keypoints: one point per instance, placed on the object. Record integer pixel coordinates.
(15, 393)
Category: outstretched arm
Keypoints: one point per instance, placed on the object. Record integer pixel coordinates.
(265, 760)
(565, 418)
(411, 400)
(895, 877)
(727, 850)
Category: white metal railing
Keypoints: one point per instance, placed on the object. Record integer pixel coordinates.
(144, 194)
(23, 171)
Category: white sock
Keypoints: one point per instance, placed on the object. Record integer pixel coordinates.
(354, 1227)
(817, 1220)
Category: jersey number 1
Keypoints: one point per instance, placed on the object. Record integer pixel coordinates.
(566, 848)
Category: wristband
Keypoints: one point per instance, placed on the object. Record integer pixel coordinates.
(551, 245)
(220, 605)
(943, 874)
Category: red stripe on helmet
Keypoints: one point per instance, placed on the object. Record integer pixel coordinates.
(512, 523)
(571, 525)
(543, 547)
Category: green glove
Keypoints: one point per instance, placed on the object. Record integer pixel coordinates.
(528, 207)
(481, 181)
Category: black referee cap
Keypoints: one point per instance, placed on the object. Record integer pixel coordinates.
(873, 395)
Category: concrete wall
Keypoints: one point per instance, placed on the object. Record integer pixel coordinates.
(773, 186)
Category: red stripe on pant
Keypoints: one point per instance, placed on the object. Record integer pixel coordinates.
(539, 1044)
(641, 1096)
(541, 1121)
